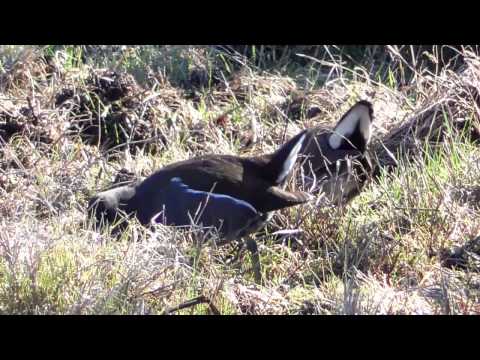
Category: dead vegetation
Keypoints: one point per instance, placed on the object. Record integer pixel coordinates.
(406, 245)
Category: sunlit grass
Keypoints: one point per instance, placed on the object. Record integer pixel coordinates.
(381, 253)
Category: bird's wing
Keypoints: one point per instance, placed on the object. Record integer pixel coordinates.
(183, 205)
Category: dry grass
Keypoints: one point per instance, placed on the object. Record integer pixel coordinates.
(407, 245)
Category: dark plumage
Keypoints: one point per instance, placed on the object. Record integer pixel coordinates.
(254, 182)
(204, 208)
(335, 159)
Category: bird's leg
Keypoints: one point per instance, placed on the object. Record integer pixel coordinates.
(252, 246)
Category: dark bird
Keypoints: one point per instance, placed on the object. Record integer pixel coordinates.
(235, 195)
(253, 183)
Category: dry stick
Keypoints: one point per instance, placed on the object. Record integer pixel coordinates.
(158, 289)
(192, 302)
(233, 55)
(14, 157)
(395, 51)
(444, 288)
(34, 113)
(295, 270)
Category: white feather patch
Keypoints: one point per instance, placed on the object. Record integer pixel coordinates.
(348, 125)
(290, 161)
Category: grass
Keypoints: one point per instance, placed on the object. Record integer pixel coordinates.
(385, 252)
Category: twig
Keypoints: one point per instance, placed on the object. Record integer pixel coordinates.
(193, 302)
(34, 114)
